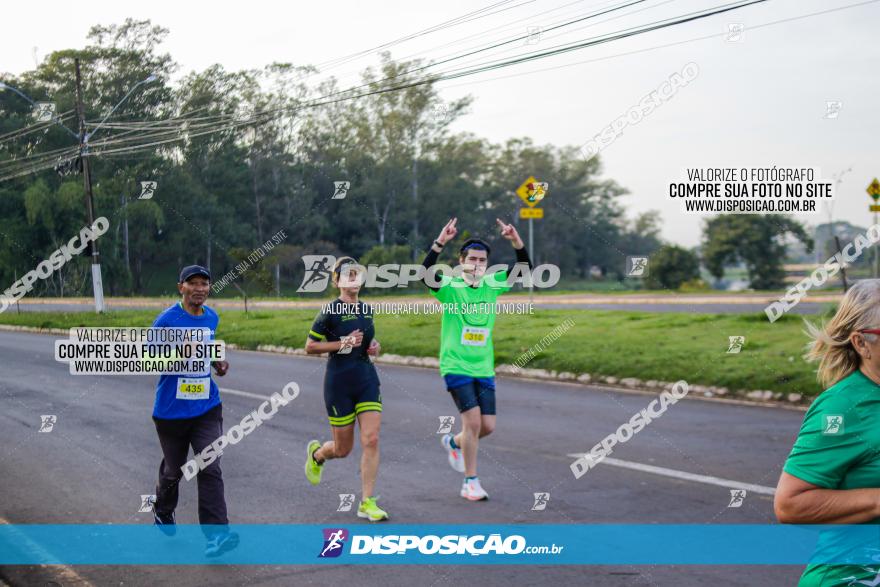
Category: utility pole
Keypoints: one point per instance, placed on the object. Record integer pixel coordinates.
(97, 285)
(838, 179)
(124, 201)
(842, 265)
(875, 272)
(874, 191)
(535, 257)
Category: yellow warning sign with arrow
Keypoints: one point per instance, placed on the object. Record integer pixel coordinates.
(874, 189)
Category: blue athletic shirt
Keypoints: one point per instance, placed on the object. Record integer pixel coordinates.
(167, 405)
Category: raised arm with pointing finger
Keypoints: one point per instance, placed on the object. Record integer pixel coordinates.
(446, 234)
(509, 232)
(449, 231)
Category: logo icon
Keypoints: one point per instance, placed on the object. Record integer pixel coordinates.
(147, 189)
(736, 343)
(334, 540)
(44, 111)
(534, 35)
(346, 500)
(341, 189)
(636, 266)
(347, 345)
(47, 423)
(147, 502)
(735, 32)
(833, 424)
(440, 112)
(317, 272)
(532, 191)
(832, 109)
(541, 500)
(536, 190)
(737, 496)
(446, 424)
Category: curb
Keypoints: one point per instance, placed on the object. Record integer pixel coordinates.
(764, 398)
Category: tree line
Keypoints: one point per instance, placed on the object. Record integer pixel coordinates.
(237, 156)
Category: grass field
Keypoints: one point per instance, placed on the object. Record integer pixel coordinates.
(662, 346)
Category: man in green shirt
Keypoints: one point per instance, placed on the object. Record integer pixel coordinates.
(467, 356)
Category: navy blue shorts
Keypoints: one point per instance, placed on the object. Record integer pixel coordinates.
(471, 392)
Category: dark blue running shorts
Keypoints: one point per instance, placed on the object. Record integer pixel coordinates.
(471, 392)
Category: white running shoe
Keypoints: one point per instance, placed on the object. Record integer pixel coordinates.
(456, 459)
(473, 491)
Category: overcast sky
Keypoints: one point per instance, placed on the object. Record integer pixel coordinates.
(759, 101)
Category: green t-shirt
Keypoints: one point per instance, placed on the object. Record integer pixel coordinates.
(837, 448)
(466, 328)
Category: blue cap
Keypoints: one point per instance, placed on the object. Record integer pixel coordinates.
(192, 271)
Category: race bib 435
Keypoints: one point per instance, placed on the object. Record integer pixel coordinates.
(193, 388)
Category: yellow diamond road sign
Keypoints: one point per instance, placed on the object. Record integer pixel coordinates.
(874, 189)
(532, 191)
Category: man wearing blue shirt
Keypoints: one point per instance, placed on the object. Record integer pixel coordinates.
(188, 413)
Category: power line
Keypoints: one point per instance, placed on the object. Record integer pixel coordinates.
(514, 47)
(35, 127)
(482, 34)
(429, 80)
(468, 17)
(349, 94)
(665, 45)
(507, 42)
(29, 158)
(458, 20)
(449, 59)
(184, 121)
(444, 25)
(560, 49)
(268, 115)
(487, 67)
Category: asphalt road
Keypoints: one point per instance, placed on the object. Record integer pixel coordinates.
(103, 454)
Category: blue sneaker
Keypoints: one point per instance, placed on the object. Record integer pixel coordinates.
(221, 543)
(165, 523)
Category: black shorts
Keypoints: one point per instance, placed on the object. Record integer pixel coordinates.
(469, 393)
(343, 404)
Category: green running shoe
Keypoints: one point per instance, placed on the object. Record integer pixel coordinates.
(368, 509)
(313, 469)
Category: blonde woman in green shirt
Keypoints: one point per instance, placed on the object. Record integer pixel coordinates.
(832, 475)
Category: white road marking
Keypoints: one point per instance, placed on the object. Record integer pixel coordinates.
(683, 475)
(243, 393)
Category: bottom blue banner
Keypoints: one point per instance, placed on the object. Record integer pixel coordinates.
(526, 544)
